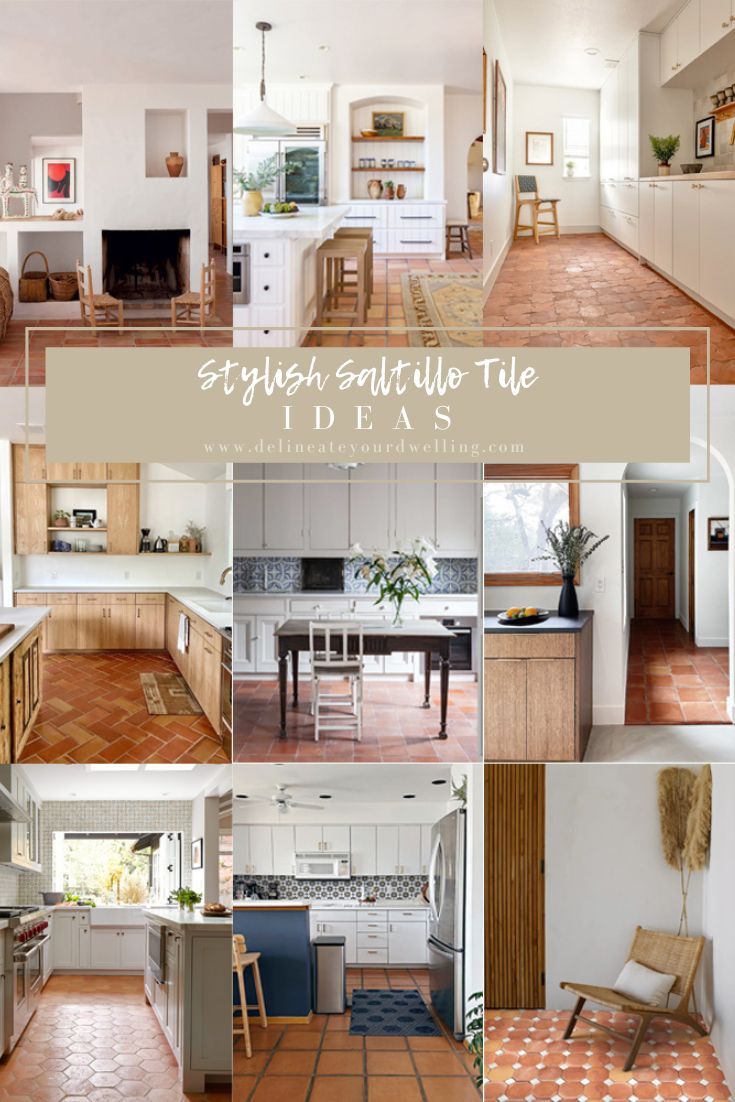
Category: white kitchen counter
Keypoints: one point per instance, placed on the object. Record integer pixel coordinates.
(315, 223)
(184, 920)
(334, 904)
(207, 603)
(26, 620)
(721, 174)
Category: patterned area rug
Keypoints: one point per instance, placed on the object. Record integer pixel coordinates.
(441, 302)
(167, 694)
(401, 1013)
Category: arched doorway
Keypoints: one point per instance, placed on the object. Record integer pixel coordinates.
(474, 194)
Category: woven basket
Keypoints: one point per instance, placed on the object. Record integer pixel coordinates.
(63, 286)
(33, 286)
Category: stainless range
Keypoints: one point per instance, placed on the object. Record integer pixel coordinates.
(25, 947)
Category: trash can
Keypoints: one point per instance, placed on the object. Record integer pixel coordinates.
(330, 983)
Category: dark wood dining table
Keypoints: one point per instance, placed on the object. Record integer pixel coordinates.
(427, 637)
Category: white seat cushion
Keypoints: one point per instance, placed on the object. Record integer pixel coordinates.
(644, 985)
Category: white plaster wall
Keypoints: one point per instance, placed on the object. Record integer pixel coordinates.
(462, 126)
(710, 567)
(218, 537)
(536, 107)
(719, 904)
(475, 881)
(24, 116)
(605, 874)
(498, 190)
(119, 196)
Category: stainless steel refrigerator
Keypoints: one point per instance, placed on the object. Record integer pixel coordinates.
(447, 920)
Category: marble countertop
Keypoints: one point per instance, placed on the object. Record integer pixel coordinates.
(311, 222)
(207, 603)
(25, 620)
(172, 916)
(720, 174)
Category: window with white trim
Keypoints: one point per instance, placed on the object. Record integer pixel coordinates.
(576, 146)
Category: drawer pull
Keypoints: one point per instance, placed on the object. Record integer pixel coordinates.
(361, 218)
(266, 286)
(267, 256)
(416, 242)
(417, 217)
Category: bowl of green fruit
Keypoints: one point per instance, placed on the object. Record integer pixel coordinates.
(280, 210)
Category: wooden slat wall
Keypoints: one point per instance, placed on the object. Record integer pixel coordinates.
(514, 887)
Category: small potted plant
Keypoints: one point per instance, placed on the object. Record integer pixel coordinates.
(389, 191)
(569, 166)
(192, 538)
(61, 518)
(569, 545)
(663, 150)
(186, 898)
(252, 184)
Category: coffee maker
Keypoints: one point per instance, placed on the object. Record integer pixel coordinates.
(145, 542)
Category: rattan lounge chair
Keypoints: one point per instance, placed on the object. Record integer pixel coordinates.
(669, 953)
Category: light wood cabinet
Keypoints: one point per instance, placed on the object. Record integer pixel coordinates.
(123, 513)
(26, 688)
(61, 472)
(6, 713)
(150, 626)
(60, 627)
(118, 627)
(122, 472)
(90, 621)
(66, 473)
(30, 500)
(538, 693)
(205, 667)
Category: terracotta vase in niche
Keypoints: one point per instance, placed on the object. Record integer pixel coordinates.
(174, 163)
(401, 191)
(375, 188)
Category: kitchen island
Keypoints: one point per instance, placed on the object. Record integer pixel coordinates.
(279, 274)
(20, 677)
(280, 931)
(187, 980)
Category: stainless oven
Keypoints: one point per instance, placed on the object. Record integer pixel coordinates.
(156, 951)
(241, 273)
(28, 963)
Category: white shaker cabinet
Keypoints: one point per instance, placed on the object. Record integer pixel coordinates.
(663, 227)
(416, 502)
(261, 851)
(386, 861)
(329, 493)
(363, 850)
(717, 18)
(71, 940)
(686, 247)
(370, 512)
(457, 506)
(114, 949)
(283, 850)
(717, 233)
(646, 220)
(284, 507)
(406, 938)
(248, 512)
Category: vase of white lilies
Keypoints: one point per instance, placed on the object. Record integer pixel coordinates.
(405, 571)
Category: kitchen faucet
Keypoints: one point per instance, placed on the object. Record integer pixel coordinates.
(227, 570)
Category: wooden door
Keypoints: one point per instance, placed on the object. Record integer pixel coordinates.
(692, 607)
(122, 518)
(150, 627)
(654, 560)
(31, 506)
(505, 709)
(550, 709)
(6, 713)
(514, 887)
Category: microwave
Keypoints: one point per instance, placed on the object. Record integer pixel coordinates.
(322, 866)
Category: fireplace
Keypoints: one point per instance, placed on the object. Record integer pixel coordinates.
(145, 265)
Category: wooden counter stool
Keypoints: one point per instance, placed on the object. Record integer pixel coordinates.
(364, 233)
(330, 259)
(242, 959)
(458, 233)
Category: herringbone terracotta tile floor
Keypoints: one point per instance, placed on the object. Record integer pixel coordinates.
(588, 280)
(526, 1058)
(670, 680)
(93, 710)
(94, 1038)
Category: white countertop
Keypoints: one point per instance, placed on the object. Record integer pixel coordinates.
(207, 603)
(340, 593)
(335, 904)
(25, 620)
(721, 174)
(172, 916)
(312, 222)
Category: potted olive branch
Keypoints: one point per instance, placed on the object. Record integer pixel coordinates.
(568, 546)
(264, 175)
(663, 150)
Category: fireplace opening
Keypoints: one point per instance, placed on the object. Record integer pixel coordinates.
(145, 264)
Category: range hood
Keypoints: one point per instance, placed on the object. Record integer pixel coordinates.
(10, 810)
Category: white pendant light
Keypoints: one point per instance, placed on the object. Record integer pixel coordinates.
(263, 121)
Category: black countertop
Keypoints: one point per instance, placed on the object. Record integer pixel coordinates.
(553, 624)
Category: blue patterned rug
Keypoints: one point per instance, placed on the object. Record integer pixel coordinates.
(391, 1014)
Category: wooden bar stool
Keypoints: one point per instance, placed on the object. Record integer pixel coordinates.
(242, 959)
(330, 260)
(364, 233)
(458, 233)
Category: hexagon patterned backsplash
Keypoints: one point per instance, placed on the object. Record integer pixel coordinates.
(281, 574)
(358, 887)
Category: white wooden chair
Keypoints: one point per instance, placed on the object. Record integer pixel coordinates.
(196, 307)
(96, 310)
(336, 653)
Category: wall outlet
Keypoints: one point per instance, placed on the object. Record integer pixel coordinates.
(54, 575)
(600, 585)
(198, 575)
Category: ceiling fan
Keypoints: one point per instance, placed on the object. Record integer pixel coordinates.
(284, 802)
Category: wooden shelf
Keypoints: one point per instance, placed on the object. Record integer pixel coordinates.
(389, 168)
(726, 111)
(378, 138)
(76, 552)
(68, 528)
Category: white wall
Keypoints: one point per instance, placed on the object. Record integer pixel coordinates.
(710, 567)
(536, 107)
(605, 873)
(205, 825)
(24, 116)
(475, 881)
(498, 190)
(719, 904)
(462, 126)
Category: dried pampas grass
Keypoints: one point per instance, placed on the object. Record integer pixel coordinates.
(699, 823)
(675, 791)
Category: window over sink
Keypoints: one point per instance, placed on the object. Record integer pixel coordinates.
(134, 868)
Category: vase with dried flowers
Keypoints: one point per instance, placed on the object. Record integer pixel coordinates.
(406, 571)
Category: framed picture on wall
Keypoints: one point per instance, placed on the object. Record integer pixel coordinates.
(500, 135)
(389, 124)
(718, 533)
(539, 147)
(704, 143)
(197, 861)
(59, 179)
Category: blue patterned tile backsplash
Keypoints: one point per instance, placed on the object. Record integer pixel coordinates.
(358, 887)
(278, 574)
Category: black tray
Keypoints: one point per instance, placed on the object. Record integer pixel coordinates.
(511, 621)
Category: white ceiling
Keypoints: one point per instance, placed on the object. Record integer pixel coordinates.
(61, 45)
(347, 784)
(546, 39)
(370, 42)
(78, 782)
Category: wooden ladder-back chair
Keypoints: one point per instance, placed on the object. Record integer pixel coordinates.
(96, 310)
(527, 195)
(242, 959)
(196, 307)
(671, 954)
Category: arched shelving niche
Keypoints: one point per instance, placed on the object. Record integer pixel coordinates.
(401, 158)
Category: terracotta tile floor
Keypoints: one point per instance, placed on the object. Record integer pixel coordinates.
(321, 1062)
(670, 680)
(12, 349)
(94, 1038)
(395, 726)
(586, 279)
(93, 710)
(386, 310)
(526, 1058)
